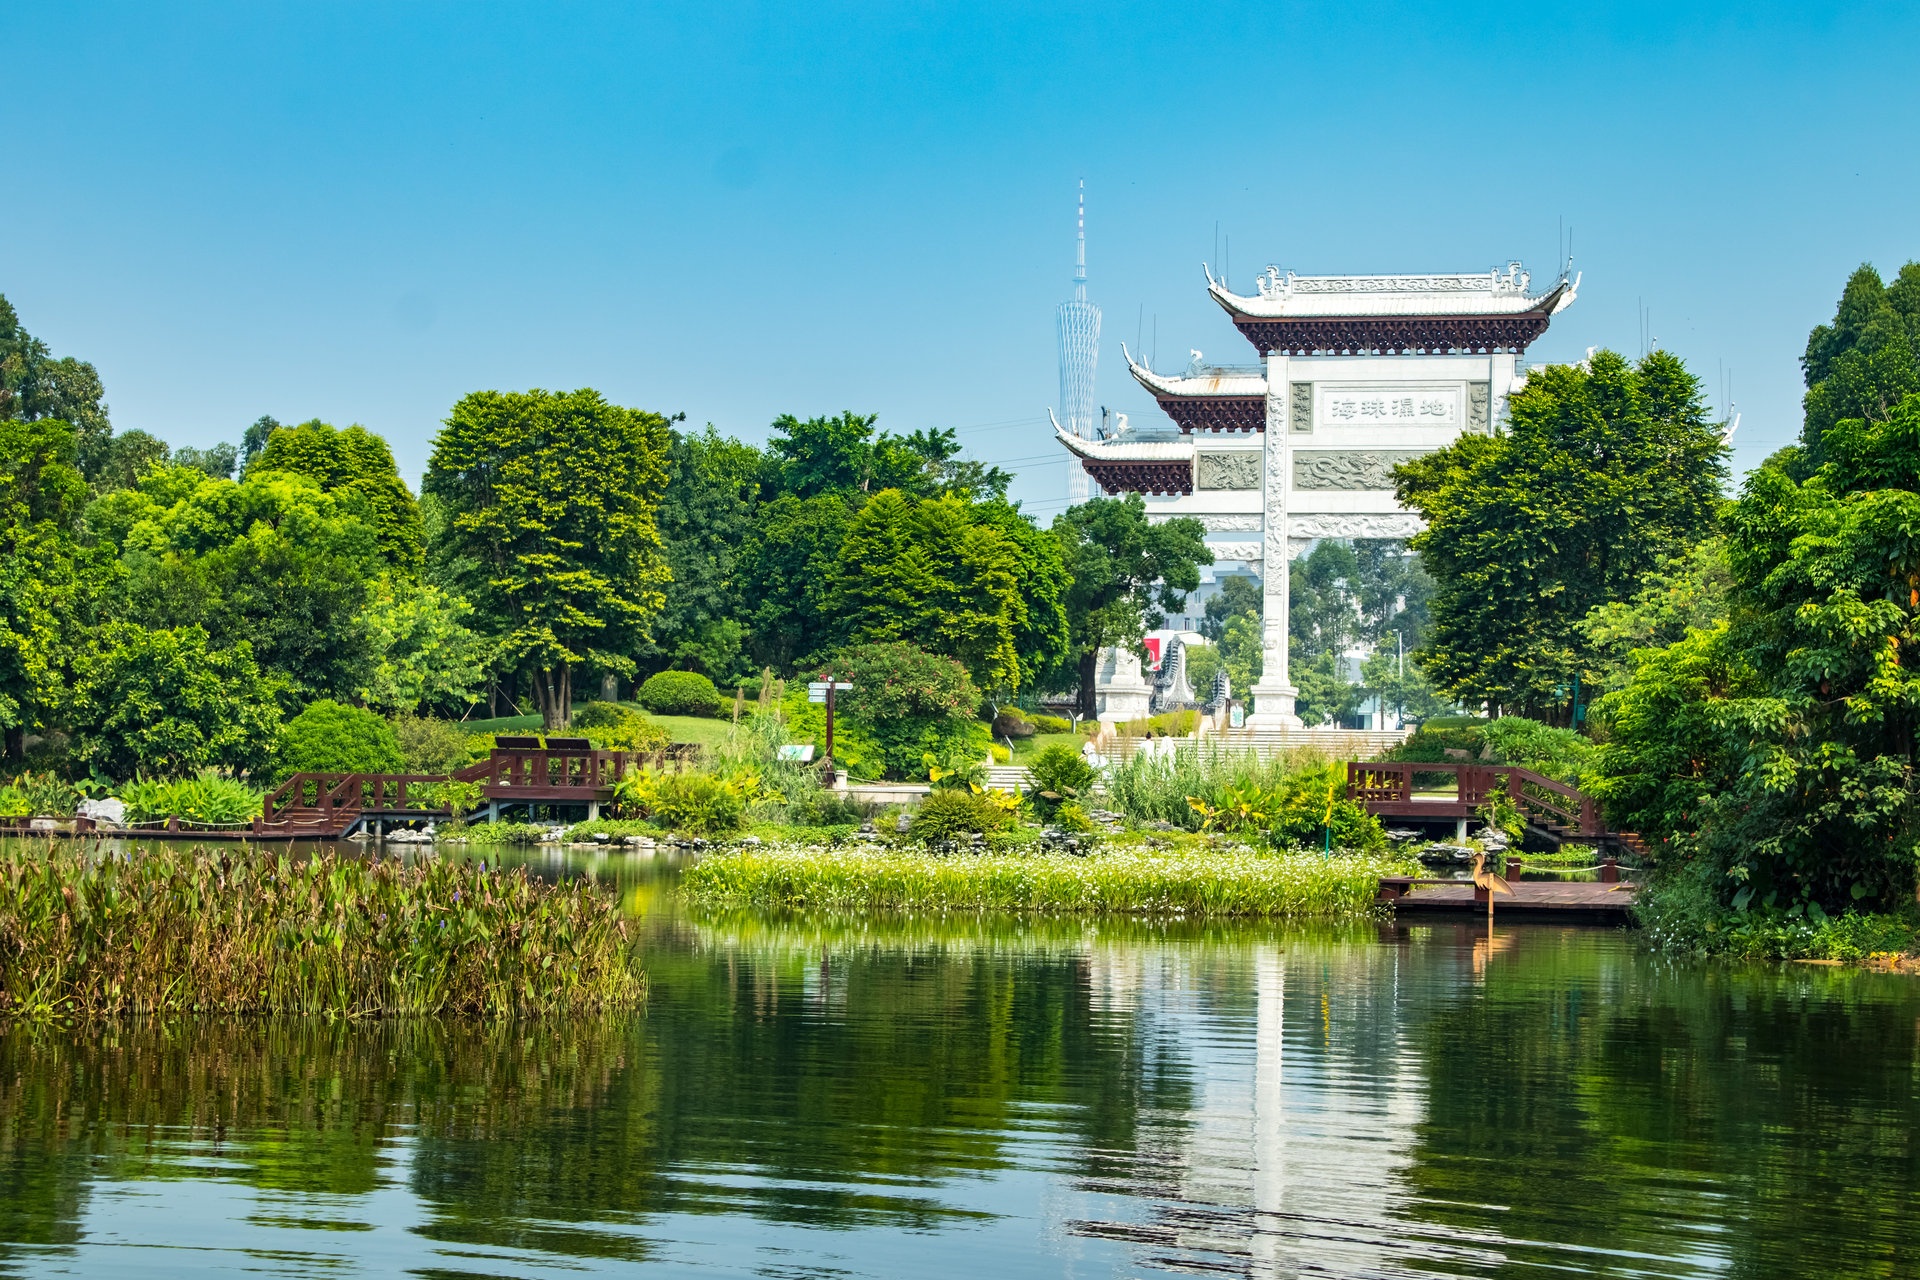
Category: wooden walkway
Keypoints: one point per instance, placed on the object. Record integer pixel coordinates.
(1417, 791)
(1572, 901)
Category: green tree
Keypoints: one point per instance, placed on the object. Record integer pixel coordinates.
(706, 520)
(34, 385)
(1685, 593)
(1773, 758)
(552, 496)
(1403, 689)
(1238, 594)
(424, 653)
(1606, 469)
(357, 465)
(1126, 572)
(272, 561)
(42, 599)
(167, 703)
(1864, 363)
(923, 571)
(789, 577)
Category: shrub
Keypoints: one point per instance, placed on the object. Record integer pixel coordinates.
(681, 693)
(1000, 754)
(951, 811)
(695, 804)
(906, 706)
(1562, 754)
(207, 799)
(1069, 816)
(1061, 776)
(506, 833)
(38, 795)
(1312, 811)
(330, 737)
(1051, 724)
(612, 727)
(430, 746)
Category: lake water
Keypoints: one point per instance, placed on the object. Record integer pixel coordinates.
(954, 1097)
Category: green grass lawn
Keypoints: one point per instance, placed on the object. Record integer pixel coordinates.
(1025, 749)
(696, 728)
(502, 724)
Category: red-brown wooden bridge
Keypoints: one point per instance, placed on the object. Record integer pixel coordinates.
(327, 806)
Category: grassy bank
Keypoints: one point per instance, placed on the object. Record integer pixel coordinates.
(1676, 915)
(251, 932)
(1191, 882)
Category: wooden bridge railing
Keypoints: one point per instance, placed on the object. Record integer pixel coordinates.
(1388, 788)
(324, 801)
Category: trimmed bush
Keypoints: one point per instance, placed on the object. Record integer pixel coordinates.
(954, 811)
(330, 737)
(1051, 724)
(681, 693)
(612, 727)
(430, 746)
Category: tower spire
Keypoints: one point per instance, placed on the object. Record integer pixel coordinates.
(1080, 249)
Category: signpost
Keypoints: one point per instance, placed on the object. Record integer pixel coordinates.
(823, 691)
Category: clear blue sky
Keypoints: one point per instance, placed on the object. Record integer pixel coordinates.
(360, 212)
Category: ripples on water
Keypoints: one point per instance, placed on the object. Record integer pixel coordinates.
(963, 1098)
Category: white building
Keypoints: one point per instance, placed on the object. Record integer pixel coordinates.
(1357, 374)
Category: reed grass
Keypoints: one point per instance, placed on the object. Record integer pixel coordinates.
(1150, 787)
(1215, 881)
(246, 931)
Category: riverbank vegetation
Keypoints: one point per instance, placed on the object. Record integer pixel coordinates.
(1201, 880)
(244, 931)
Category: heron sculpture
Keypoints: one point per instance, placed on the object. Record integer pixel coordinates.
(1489, 881)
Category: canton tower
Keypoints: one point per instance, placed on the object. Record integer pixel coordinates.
(1079, 357)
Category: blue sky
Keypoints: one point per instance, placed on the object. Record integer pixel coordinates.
(361, 212)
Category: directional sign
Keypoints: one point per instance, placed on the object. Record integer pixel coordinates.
(817, 690)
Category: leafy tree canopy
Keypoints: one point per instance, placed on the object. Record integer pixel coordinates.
(35, 385)
(706, 520)
(167, 703)
(1607, 469)
(844, 454)
(1864, 363)
(1126, 572)
(353, 463)
(551, 498)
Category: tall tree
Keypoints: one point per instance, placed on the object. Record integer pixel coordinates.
(357, 464)
(273, 561)
(1127, 572)
(924, 571)
(42, 593)
(35, 385)
(1864, 363)
(706, 519)
(1606, 469)
(554, 495)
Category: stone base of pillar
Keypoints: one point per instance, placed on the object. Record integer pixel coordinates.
(1273, 707)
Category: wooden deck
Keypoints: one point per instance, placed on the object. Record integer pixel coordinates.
(1531, 899)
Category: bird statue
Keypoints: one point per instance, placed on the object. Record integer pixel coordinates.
(1489, 881)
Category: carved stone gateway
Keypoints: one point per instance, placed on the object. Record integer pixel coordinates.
(1479, 404)
(1342, 469)
(1239, 470)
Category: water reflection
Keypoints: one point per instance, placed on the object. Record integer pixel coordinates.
(857, 1097)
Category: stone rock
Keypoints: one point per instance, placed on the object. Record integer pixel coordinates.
(1445, 855)
(109, 812)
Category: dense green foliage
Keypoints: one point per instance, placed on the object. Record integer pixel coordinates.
(551, 500)
(908, 711)
(329, 737)
(249, 932)
(680, 693)
(1862, 365)
(1771, 756)
(1606, 470)
(1191, 882)
(1126, 572)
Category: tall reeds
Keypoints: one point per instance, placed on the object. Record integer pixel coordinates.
(250, 932)
(1150, 786)
(1189, 882)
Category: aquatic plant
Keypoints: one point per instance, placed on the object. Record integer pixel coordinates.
(695, 803)
(206, 798)
(1209, 881)
(37, 795)
(505, 832)
(959, 811)
(250, 932)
